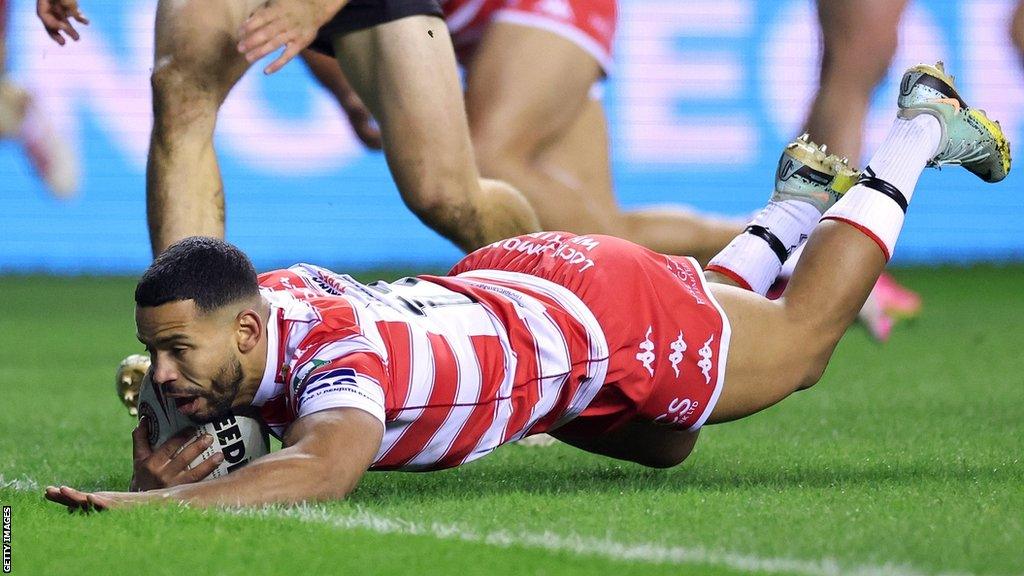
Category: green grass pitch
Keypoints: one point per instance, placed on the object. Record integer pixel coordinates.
(906, 459)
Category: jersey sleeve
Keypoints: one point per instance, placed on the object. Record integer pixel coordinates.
(356, 380)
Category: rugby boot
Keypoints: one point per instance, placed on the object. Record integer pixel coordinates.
(809, 174)
(969, 138)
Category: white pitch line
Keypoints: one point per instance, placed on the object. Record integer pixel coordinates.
(19, 484)
(587, 545)
(361, 519)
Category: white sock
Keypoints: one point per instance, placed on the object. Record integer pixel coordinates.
(899, 162)
(750, 260)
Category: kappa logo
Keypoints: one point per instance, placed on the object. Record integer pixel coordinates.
(646, 353)
(676, 357)
(705, 363)
(791, 249)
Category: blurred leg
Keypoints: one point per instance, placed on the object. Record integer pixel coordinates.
(535, 126)
(581, 158)
(1017, 30)
(405, 72)
(860, 39)
(195, 66)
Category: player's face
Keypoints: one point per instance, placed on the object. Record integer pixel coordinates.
(195, 359)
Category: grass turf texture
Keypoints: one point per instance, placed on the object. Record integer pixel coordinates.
(906, 458)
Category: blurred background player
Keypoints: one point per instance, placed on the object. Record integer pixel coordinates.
(534, 70)
(22, 120)
(396, 54)
(533, 74)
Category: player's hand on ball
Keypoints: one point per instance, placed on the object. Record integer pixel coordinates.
(288, 24)
(167, 465)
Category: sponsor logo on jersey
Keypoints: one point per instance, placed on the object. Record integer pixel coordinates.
(676, 357)
(688, 279)
(329, 378)
(705, 363)
(303, 372)
(328, 284)
(646, 353)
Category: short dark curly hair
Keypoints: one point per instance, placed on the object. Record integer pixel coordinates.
(209, 271)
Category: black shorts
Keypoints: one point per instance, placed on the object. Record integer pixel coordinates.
(362, 14)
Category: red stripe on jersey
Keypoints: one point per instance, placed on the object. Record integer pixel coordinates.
(526, 385)
(442, 396)
(398, 341)
(491, 358)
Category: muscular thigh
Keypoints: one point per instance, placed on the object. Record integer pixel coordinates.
(580, 158)
(765, 363)
(859, 19)
(198, 38)
(526, 87)
(406, 73)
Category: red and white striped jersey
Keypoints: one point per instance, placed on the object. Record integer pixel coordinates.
(452, 366)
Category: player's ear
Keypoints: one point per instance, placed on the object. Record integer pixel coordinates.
(248, 329)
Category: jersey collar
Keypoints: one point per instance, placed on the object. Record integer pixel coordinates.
(272, 372)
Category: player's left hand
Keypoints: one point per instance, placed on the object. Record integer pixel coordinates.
(288, 24)
(78, 501)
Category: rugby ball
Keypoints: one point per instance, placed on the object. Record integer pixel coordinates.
(242, 439)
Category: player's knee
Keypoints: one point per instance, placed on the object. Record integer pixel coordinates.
(499, 148)
(661, 460)
(812, 369)
(454, 216)
(179, 99)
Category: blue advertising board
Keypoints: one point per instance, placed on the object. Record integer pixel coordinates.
(703, 96)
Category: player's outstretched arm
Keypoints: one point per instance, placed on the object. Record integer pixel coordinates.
(325, 455)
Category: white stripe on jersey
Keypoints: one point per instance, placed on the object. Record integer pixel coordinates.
(554, 368)
(495, 433)
(458, 322)
(597, 370)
